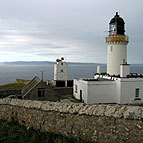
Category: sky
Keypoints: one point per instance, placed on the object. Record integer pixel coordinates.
(44, 30)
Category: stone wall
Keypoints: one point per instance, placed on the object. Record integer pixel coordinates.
(5, 93)
(63, 91)
(49, 93)
(92, 123)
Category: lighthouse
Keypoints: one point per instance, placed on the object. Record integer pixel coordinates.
(116, 45)
(118, 85)
(61, 70)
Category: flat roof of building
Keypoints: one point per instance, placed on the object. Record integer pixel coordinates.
(98, 79)
(131, 75)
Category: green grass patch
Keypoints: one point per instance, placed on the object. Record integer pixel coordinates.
(75, 100)
(12, 132)
(12, 86)
(70, 97)
(66, 96)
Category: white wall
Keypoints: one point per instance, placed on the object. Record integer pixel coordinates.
(118, 91)
(121, 91)
(61, 66)
(101, 92)
(95, 91)
(81, 85)
(128, 87)
(124, 70)
(55, 72)
(115, 56)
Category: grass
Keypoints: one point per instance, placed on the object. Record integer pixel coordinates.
(66, 96)
(12, 132)
(70, 97)
(12, 86)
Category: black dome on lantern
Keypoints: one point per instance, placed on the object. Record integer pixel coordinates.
(119, 23)
(117, 19)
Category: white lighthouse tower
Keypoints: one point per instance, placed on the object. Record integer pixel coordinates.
(118, 85)
(61, 70)
(117, 45)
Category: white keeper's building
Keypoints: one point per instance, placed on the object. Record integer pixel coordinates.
(118, 85)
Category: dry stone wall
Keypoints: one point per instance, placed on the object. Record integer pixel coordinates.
(91, 123)
(5, 93)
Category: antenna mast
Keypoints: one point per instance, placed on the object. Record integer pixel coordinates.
(42, 74)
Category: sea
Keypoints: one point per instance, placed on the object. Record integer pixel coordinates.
(9, 73)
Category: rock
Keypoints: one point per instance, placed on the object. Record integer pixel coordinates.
(99, 110)
(139, 126)
(117, 111)
(132, 112)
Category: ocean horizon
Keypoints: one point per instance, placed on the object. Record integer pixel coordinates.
(10, 72)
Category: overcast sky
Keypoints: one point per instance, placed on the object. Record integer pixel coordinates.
(40, 30)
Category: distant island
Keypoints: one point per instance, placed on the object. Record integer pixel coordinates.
(42, 63)
(51, 63)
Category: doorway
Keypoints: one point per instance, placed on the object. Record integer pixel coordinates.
(81, 96)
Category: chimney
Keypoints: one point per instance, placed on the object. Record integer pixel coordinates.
(99, 69)
(124, 69)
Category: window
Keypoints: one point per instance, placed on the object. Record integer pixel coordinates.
(76, 88)
(111, 48)
(113, 29)
(41, 92)
(62, 70)
(61, 64)
(137, 93)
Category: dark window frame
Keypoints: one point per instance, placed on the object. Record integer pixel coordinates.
(137, 93)
(41, 92)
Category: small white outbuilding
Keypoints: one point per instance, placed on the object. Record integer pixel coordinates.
(108, 89)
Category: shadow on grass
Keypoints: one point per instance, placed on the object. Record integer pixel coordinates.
(12, 132)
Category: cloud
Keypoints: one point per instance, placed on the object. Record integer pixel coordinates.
(46, 29)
